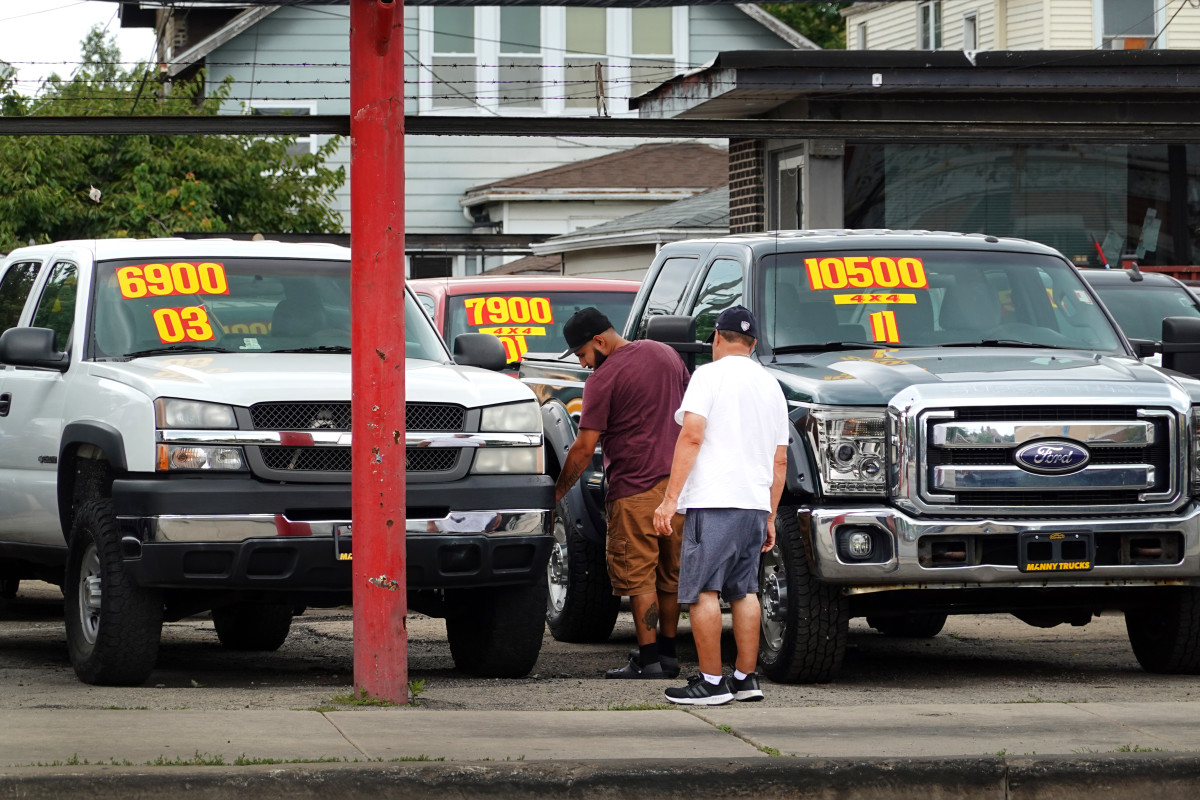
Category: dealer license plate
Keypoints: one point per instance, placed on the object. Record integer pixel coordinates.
(1068, 551)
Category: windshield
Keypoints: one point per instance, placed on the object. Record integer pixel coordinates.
(932, 297)
(1140, 309)
(244, 305)
(526, 321)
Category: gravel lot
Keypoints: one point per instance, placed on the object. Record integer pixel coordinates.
(976, 659)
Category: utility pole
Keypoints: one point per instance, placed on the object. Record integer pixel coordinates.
(377, 362)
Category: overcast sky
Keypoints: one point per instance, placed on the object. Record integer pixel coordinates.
(51, 31)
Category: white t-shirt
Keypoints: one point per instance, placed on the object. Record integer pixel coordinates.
(745, 421)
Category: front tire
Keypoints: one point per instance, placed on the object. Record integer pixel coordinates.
(580, 604)
(805, 623)
(917, 625)
(1166, 638)
(113, 626)
(253, 627)
(9, 588)
(497, 632)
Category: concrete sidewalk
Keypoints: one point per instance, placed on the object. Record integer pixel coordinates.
(951, 750)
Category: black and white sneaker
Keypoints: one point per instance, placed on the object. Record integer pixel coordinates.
(700, 692)
(634, 669)
(747, 688)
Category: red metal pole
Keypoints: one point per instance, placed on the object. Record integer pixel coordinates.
(377, 305)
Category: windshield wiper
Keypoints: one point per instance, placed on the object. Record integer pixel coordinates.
(177, 348)
(321, 348)
(823, 346)
(1007, 343)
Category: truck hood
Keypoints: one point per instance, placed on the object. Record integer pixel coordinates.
(242, 379)
(873, 377)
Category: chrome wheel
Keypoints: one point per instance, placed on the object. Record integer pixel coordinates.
(772, 597)
(558, 567)
(89, 594)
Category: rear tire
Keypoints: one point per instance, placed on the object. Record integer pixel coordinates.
(1166, 638)
(580, 605)
(9, 588)
(917, 625)
(497, 632)
(805, 623)
(113, 626)
(253, 627)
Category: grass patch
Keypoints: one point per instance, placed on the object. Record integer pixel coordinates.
(416, 688)
(725, 728)
(1002, 752)
(359, 698)
(1137, 748)
(773, 752)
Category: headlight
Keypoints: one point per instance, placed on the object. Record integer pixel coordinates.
(520, 417)
(1194, 438)
(849, 443)
(200, 457)
(170, 412)
(521, 460)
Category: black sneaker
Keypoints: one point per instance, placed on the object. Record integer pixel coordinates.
(670, 664)
(700, 692)
(747, 688)
(635, 670)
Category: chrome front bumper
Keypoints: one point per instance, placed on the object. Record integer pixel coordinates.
(903, 569)
(239, 528)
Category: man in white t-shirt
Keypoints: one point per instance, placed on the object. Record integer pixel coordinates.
(726, 476)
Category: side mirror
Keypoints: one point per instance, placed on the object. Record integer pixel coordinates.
(31, 347)
(1144, 348)
(671, 330)
(1180, 345)
(480, 350)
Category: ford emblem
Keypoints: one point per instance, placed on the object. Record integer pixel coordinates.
(1052, 457)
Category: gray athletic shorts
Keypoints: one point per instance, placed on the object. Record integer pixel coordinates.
(721, 547)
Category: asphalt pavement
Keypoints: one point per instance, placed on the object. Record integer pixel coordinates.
(1011, 750)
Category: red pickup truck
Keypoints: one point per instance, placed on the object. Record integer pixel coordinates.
(526, 312)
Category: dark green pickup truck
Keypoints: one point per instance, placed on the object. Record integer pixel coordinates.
(972, 434)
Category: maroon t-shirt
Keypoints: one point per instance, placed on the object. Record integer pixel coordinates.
(631, 399)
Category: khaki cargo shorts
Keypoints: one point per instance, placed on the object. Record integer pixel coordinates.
(639, 562)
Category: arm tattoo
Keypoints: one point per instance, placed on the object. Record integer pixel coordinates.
(567, 478)
(650, 618)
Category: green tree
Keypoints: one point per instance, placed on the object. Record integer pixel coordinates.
(151, 185)
(820, 22)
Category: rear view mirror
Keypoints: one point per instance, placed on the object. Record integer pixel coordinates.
(679, 333)
(1144, 348)
(31, 347)
(1181, 345)
(480, 350)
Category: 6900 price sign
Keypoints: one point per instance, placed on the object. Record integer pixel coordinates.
(166, 280)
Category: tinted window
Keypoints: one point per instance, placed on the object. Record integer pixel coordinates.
(722, 288)
(14, 291)
(1139, 310)
(529, 321)
(667, 291)
(56, 307)
(933, 297)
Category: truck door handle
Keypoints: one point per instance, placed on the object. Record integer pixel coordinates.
(5, 403)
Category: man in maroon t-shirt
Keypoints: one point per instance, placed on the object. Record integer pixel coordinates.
(629, 404)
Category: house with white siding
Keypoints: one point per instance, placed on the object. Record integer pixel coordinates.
(1023, 25)
(460, 60)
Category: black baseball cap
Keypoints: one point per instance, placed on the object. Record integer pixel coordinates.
(582, 326)
(737, 319)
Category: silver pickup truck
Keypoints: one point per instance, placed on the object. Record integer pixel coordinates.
(972, 433)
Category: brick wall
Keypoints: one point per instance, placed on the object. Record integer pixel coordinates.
(747, 211)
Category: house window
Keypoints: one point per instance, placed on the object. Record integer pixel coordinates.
(1129, 24)
(652, 60)
(587, 47)
(520, 61)
(454, 58)
(862, 36)
(303, 145)
(930, 21)
(970, 31)
(787, 196)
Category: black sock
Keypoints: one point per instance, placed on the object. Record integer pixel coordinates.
(666, 645)
(648, 653)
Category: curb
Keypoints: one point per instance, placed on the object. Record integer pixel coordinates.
(970, 778)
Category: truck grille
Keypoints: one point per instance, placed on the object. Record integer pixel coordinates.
(970, 464)
(336, 417)
(337, 459)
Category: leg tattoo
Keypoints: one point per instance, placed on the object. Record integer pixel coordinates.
(650, 618)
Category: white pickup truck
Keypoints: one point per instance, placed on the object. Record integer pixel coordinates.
(175, 418)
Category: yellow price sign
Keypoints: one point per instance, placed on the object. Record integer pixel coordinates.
(167, 280)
